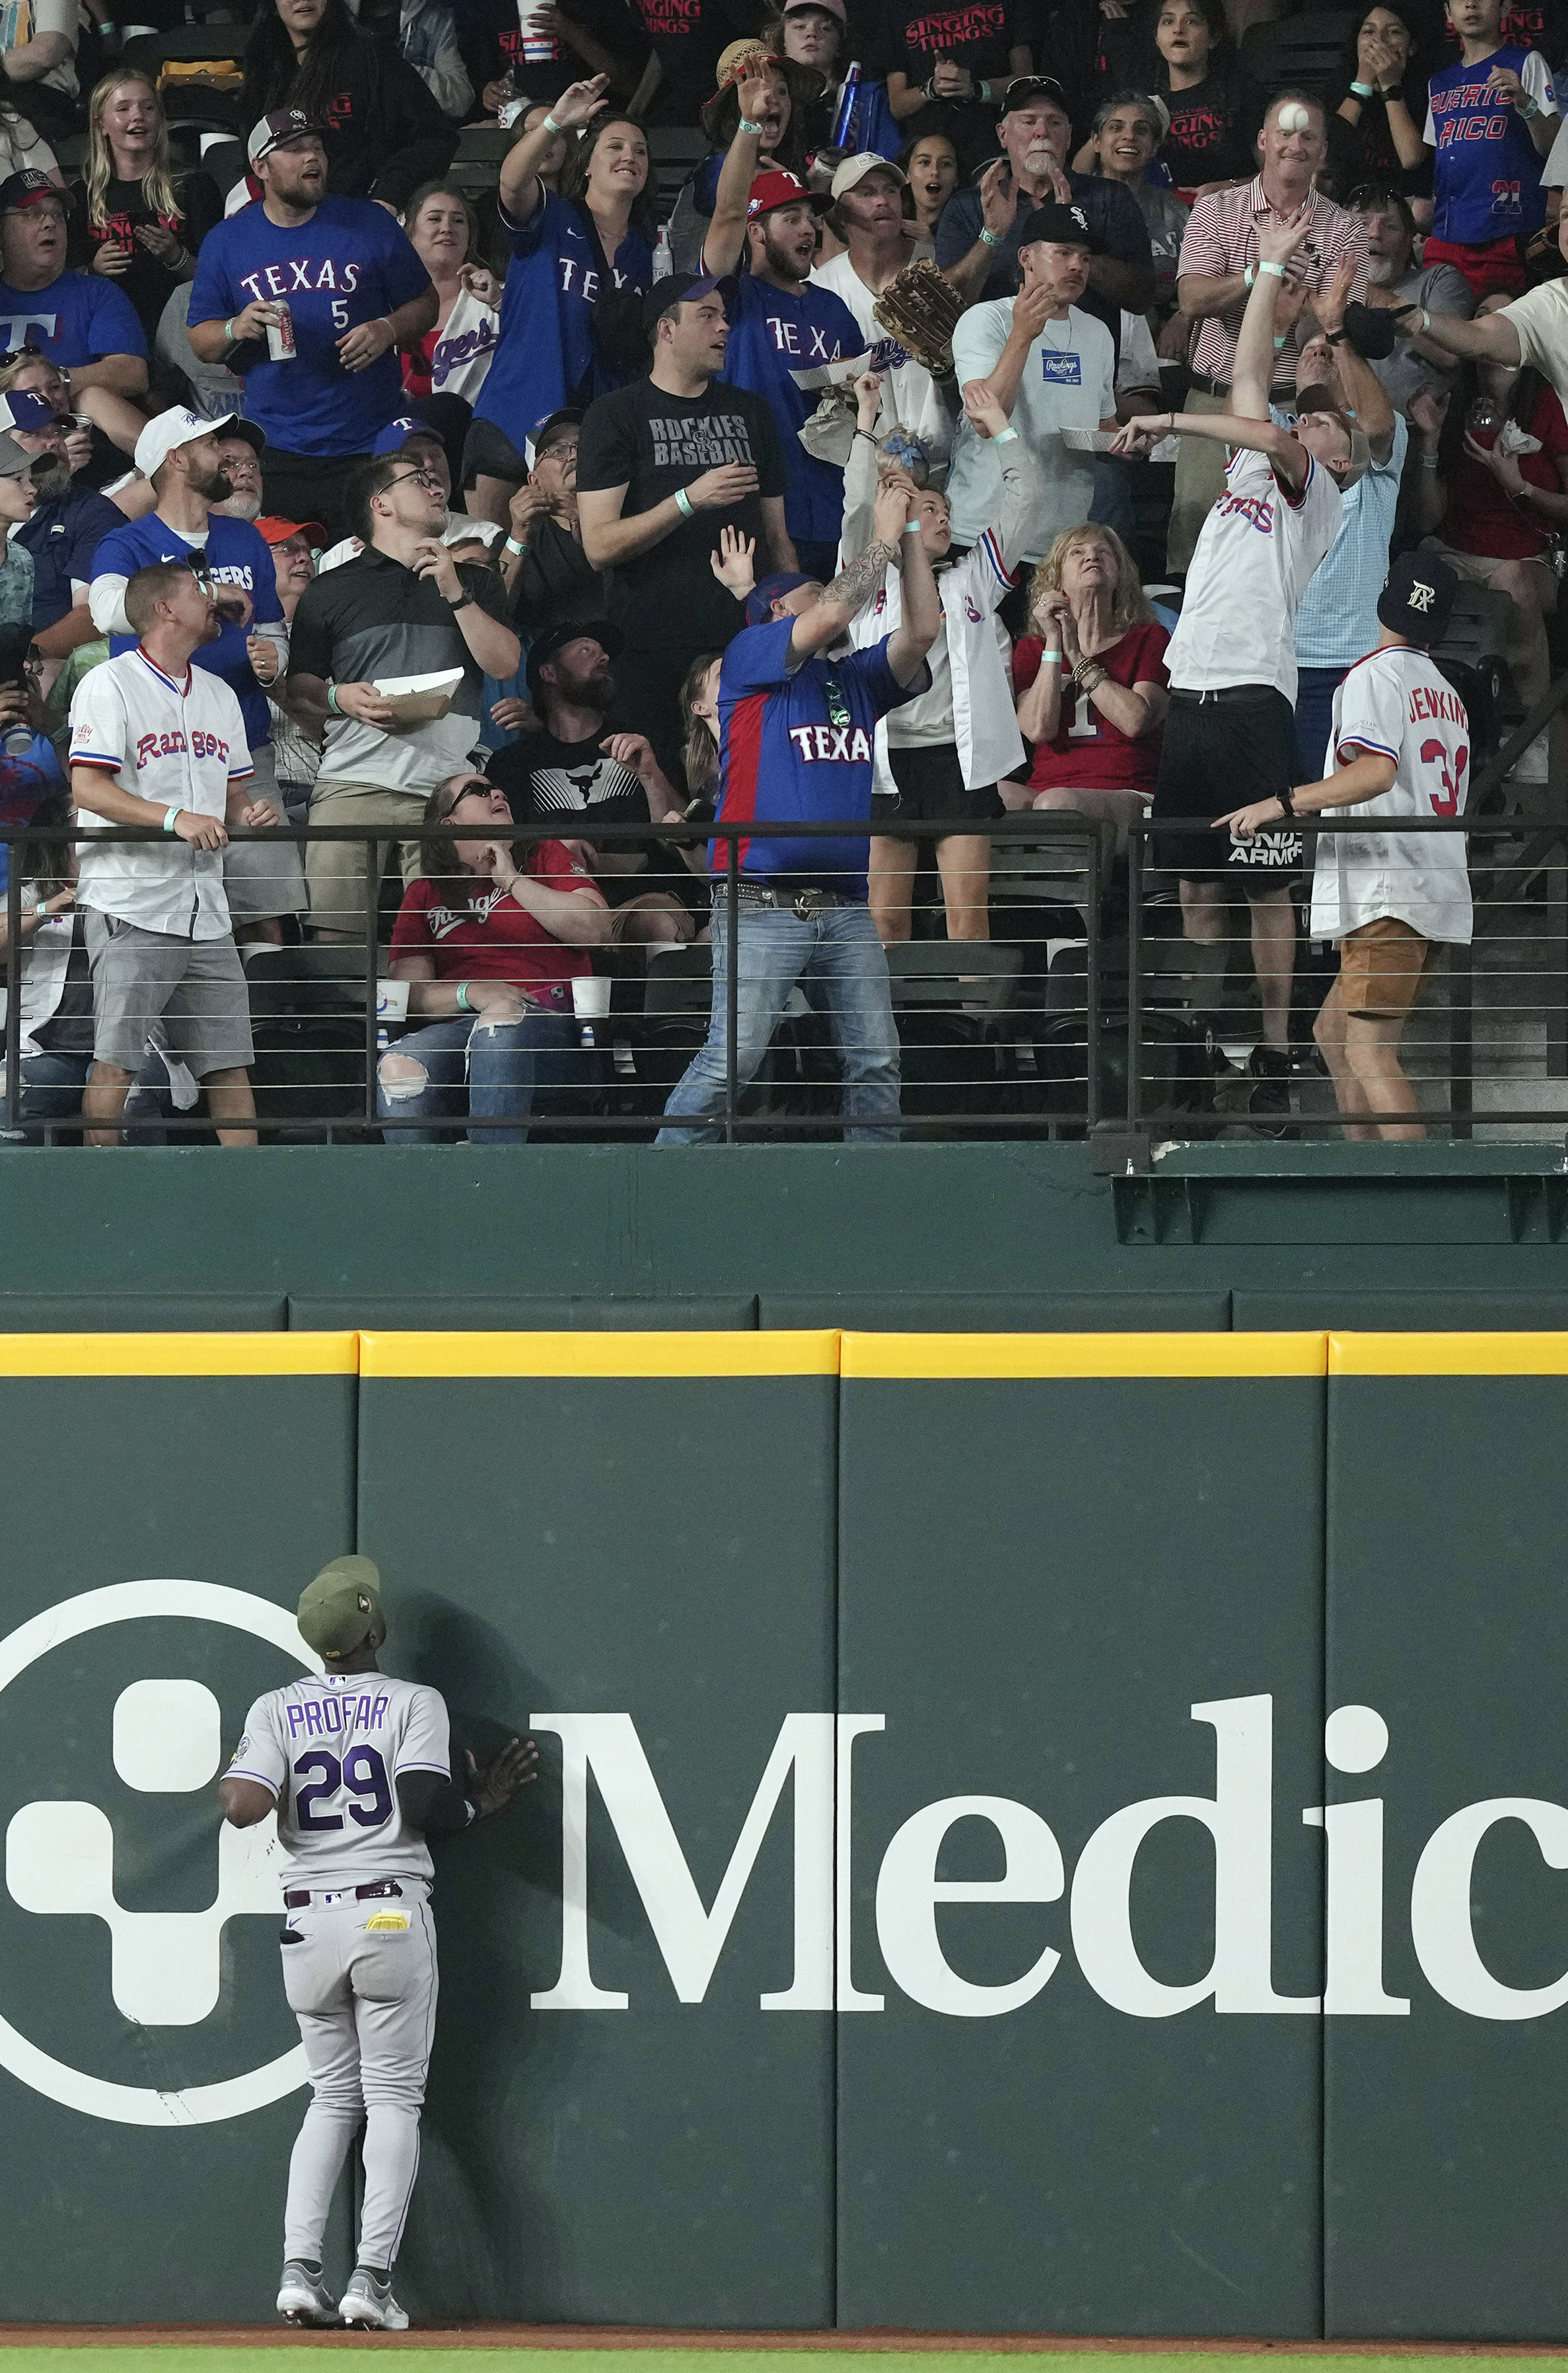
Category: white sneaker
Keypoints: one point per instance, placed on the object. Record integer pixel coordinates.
(303, 2298)
(370, 2302)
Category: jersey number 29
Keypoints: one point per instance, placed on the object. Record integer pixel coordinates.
(361, 1773)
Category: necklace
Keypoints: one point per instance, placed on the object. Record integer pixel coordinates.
(1067, 333)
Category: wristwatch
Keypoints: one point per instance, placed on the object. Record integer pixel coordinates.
(461, 602)
(1287, 799)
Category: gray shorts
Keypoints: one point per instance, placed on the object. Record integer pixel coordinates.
(194, 987)
(264, 878)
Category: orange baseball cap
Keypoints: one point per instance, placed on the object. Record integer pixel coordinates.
(278, 531)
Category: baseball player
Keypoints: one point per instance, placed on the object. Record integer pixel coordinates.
(359, 1767)
(1401, 744)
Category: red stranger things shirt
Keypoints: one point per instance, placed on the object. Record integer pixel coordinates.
(472, 930)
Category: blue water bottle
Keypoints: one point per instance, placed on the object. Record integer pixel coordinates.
(845, 115)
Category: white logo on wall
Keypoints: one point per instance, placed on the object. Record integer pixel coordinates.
(165, 1965)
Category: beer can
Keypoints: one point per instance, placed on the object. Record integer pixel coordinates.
(280, 336)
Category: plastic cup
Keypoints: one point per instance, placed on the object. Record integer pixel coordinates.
(591, 1000)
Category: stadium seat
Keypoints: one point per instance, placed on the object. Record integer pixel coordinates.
(185, 43)
(526, 1314)
(1001, 1314)
(484, 144)
(1300, 50)
(224, 159)
(142, 1313)
(673, 150)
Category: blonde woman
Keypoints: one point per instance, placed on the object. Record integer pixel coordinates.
(133, 217)
(1090, 682)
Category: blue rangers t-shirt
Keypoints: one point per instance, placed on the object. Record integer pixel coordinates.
(238, 554)
(1486, 177)
(772, 332)
(350, 264)
(797, 741)
(546, 356)
(78, 319)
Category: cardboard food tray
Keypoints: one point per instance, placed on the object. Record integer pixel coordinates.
(1086, 440)
(420, 699)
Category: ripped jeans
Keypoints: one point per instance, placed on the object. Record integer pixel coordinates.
(486, 1071)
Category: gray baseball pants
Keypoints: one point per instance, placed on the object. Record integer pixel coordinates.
(365, 1998)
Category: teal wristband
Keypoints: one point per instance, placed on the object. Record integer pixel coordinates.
(332, 700)
(684, 503)
(551, 126)
(464, 1002)
(991, 238)
(1004, 437)
(912, 527)
(170, 818)
(1275, 270)
(513, 545)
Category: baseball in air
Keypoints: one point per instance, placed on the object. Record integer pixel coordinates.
(1294, 119)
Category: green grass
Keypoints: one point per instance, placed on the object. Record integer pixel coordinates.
(177, 2358)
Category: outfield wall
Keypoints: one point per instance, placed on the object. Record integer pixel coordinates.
(928, 1916)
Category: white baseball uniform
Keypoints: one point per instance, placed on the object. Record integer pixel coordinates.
(181, 745)
(1396, 703)
(358, 1940)
(1256, 556)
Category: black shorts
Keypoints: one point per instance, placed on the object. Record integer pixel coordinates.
(488, 452)
(1221, 755)
(931, 789)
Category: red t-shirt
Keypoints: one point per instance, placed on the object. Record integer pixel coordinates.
(490, 937)
(1087, 753)
(1482, 519)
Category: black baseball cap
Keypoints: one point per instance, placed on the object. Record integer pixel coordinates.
(1024, 89)
(675, 288)
(28, 188)
(542, 437)
(1062, 226)
(608, 638)
(1417, 598)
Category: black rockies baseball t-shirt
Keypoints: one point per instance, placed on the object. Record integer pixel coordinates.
(653, 443)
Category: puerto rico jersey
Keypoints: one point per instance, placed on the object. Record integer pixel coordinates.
(1254, 560)
(797, 741)
(1396, 703)
(181, 745)
(350, 264)
(332, 1746)
(1486, 180)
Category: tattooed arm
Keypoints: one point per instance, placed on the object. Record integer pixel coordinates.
(921, 622)
(827, 619)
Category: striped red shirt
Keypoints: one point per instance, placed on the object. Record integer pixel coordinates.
(1222, 237)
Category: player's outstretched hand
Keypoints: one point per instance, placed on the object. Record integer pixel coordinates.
(1243, 823)
(505, 1776)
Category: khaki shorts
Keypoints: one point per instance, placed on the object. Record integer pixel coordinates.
(656, 902)
(335, 869)
(1380, 969)
(193, 988)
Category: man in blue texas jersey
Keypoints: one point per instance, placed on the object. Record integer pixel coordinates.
(358, 1766)
(780, 322)
(797, 714)
(1491, 120)
(179, 453)
(355, 291)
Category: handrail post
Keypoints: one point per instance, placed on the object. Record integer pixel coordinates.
(13, 990)
(372, 914)
(1134, 971)
(731, 983)
(1092, 1028)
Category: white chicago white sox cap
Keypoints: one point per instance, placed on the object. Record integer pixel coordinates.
(169, 430)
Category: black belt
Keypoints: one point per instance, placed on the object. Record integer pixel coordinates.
(1222, 386)
(804, 903)
(296, 1898)
(1229, 696)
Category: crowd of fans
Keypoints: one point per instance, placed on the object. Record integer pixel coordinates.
(865, 482)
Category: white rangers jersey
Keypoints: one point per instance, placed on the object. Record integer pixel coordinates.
(1396, 703)
(1256, 556)
(331, 1748)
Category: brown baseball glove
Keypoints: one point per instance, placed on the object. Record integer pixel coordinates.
(921, 310)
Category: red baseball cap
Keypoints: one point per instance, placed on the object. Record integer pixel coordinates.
(278, 531)
(775, 188)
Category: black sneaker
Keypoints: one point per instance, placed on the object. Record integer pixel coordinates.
(1269, 1104)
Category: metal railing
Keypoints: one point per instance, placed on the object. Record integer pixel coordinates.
(1049, 1028)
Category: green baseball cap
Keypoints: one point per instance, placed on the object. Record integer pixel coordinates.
(339, 1609)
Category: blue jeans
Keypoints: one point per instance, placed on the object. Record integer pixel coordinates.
(1314, 718)
(485, 1070)
(836, 950)
(52, 1087)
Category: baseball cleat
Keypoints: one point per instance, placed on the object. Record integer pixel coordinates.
(370, 2301)
(303, 2298)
